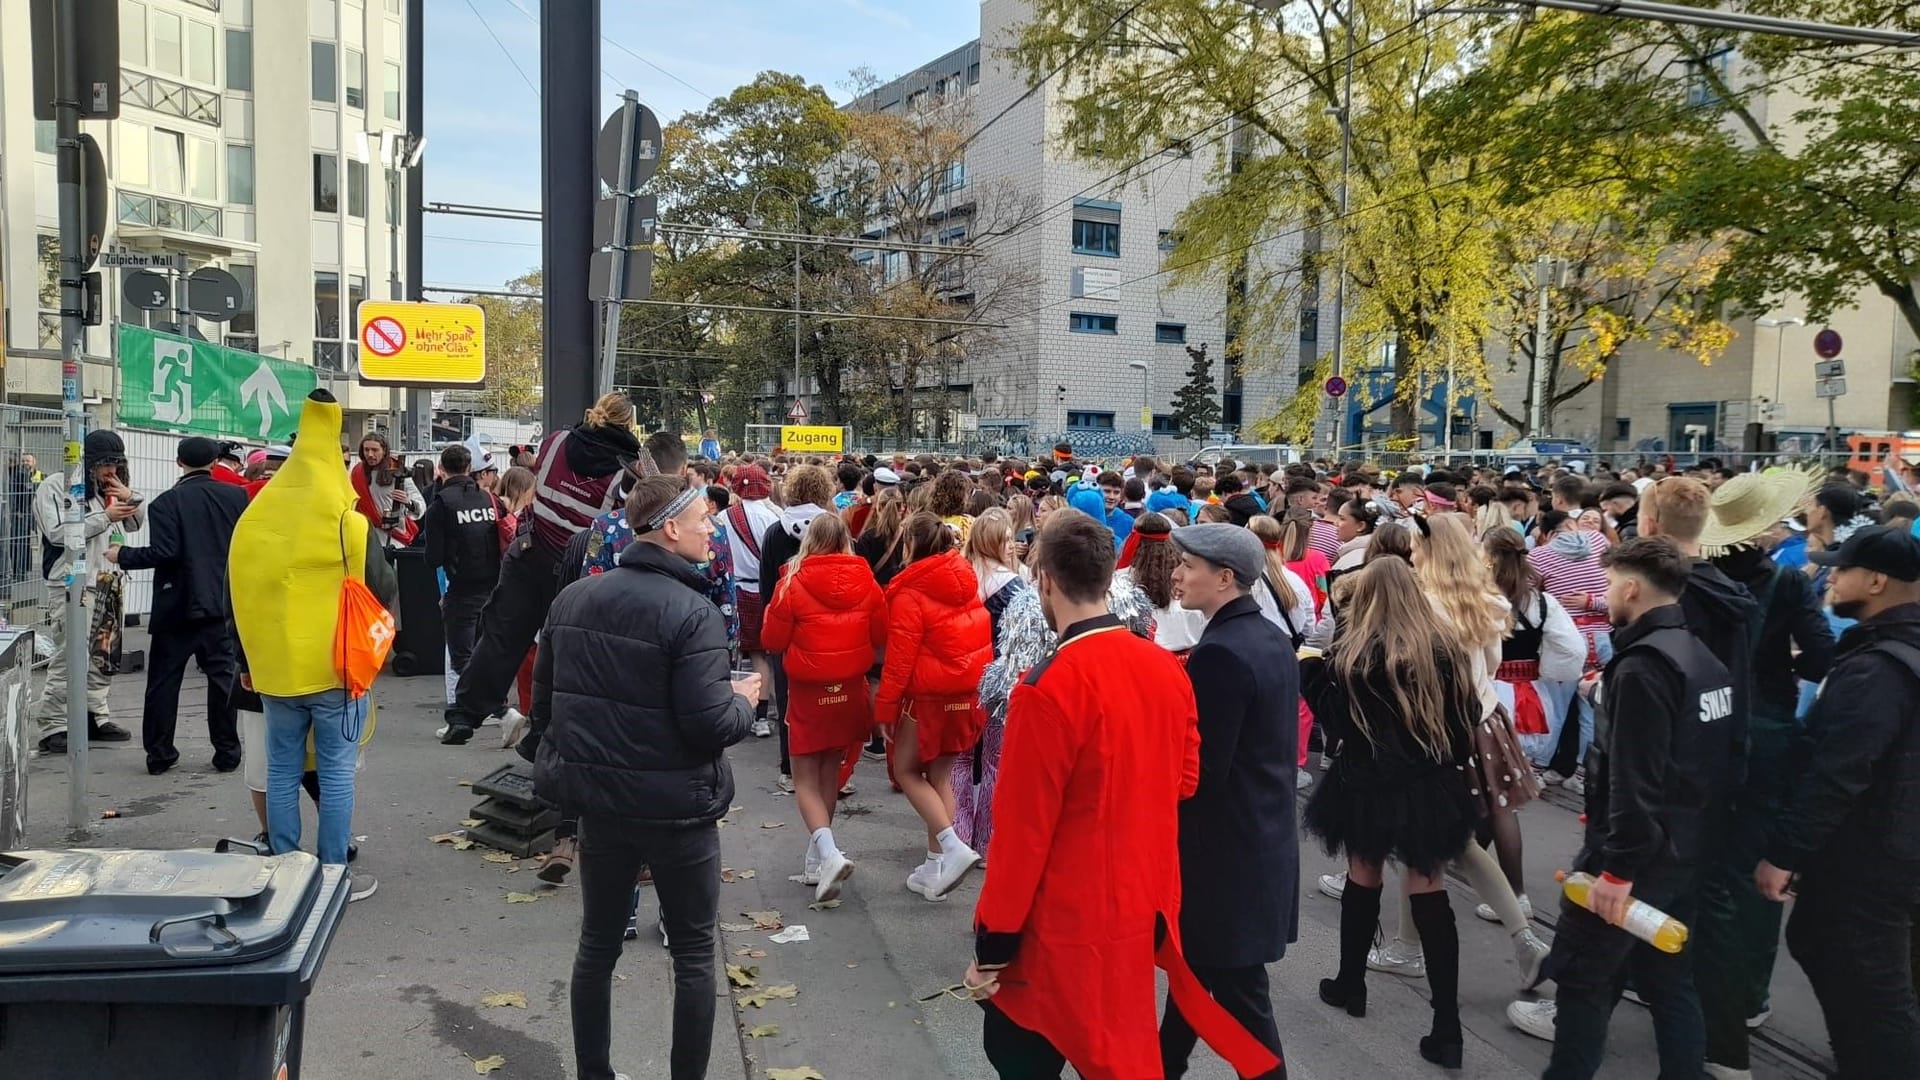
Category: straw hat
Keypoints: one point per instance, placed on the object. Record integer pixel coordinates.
(1750, 504)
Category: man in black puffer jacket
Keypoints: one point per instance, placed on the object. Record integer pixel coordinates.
(634, 705)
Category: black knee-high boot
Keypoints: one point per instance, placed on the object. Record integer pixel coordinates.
(1359, 917)
(1433, 915)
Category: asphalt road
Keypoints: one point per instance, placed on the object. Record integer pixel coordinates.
(401, 991)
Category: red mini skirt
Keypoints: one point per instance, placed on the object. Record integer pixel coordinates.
(946, 725)
(830, 717)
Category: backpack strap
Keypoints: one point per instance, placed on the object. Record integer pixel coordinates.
(737, 517)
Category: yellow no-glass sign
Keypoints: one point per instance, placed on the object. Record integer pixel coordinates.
(417, 344)
(813, 440)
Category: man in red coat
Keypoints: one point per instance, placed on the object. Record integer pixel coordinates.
(1084, 898)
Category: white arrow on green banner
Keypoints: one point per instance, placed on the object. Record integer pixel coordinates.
(177, 384)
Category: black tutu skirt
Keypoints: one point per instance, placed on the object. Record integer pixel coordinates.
(1423, 823)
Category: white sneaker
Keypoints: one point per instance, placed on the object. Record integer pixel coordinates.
(1302, 780)
(1485, 911)
(1533, 1018)
(920, 882)
(662, 927)
(498, 719)
(440, 732)
(763, 729)
(1576, 784)
(785, 784)
(1727, 1072)
(834, 871)
(1759, 1018)
(952, 869)
(514, 729)
(1552, 779)
(1397, 957)
(1529, 952)
(1334, 885)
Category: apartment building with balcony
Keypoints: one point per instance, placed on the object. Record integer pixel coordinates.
(265, 137)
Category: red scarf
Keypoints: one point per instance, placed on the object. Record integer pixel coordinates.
(402, 533)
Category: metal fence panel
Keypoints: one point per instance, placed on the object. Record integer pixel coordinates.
(32, 442)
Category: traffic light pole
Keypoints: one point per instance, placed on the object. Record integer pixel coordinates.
(73, 260)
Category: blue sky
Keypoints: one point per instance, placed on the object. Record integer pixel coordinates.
(483, 119)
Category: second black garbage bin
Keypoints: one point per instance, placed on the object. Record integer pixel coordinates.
(419, 645)
(176, 964)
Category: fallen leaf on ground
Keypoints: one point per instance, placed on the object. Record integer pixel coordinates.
(824, 905)
(763, 1031)
(522, 897)
(802, 1072)
(773, 824)
(464, 783)
(448, 837)
(729, 875)
(759, 998)
(485, 1065)
(790, 935)
(742, 976)
(765, 920)
(462, 844)
(499, 857)
(505, 999)
(471, 822)
(721, 824)
(735, 927)
(750, 951)
(735, 809)
(515, 869)
(853, 965)
(109, 813)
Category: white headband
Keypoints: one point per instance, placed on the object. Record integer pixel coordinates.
(671, 510)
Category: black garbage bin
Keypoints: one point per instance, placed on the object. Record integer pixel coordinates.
(420, 641)
(176, 964)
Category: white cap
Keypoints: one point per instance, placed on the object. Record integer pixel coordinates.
(884, 475)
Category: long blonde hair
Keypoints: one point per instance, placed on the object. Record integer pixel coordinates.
(1453, 573)
(826, 535)
(989, 546)
(1492, 518)
(1272, 537)
(1389, 634)
(1020, 509)
(614, 409)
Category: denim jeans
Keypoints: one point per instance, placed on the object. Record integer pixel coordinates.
(686, 878)
(1591, 962)
(335, 721)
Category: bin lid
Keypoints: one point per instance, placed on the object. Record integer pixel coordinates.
(101, 909)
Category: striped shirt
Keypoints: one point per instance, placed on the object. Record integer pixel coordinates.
(1324, 538)
(1562, 577)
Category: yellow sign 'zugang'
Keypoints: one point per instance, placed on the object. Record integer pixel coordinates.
(439, 344)
(814, 440)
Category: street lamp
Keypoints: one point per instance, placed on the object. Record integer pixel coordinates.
(755, 221)
(1146, 410)
(1779, 343)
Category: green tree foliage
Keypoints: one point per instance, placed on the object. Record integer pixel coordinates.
(1196, 405)
(514, 348)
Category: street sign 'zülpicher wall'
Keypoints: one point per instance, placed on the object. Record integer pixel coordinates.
(175, 384)
(406, 343)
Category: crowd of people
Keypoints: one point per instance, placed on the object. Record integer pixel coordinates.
(1651, 640)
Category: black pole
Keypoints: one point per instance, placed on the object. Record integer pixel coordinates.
(417, 127)
(569, 124)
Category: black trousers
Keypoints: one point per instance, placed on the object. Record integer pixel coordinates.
(511, 617)
(1015, 1052)
(1591, 962)
(686, 878)
(778, 661)
(1243, 992)
(460, 619)
(1852, 933)
(210, 641)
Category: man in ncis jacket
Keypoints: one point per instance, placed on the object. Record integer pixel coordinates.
(190, 528)
(1660, 760)
(1850, 831)
(463, 539)
(1084, 899)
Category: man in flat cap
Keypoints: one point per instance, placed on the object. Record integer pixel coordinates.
(189, 527)
(1239, 852)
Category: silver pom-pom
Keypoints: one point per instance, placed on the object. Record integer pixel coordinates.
(1025, 639)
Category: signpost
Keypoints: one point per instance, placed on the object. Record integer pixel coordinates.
(1831, 382)
(797, 412)
(409, 343)
(1336, 387)
(178, 384)
(813, 440)
(627, 154)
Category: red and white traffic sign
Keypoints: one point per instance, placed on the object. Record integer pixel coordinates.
(383, 336)
(798, 411)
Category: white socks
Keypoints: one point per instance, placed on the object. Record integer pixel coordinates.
(822, 847)
(950, 842)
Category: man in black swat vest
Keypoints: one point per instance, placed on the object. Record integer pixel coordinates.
(463, 538)
(1850, 831)
(1661, 757)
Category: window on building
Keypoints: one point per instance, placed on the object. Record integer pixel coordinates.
(1309, 324)
(168, 48)
(47, 250)
(940, 88)
(326, 304)
(324, 86)
(200, 59)
(973, 72)
(1168, 241)
(133, 33)
(46, 136)
(245, 323)
(955, 177)
(326, 184)
(393, 7)
(130, 153)
(1701, 92)
(356, 79)
(240, 174)
(1165, 425)
(1170, 333)
(1622, 428)
(357, 189)
(392, 95)
(168, 162)
(393, 197)
(915, 98)
(1080, 420)
(1096, 228)
(239, 59)
(1082, 323)
(203, 169)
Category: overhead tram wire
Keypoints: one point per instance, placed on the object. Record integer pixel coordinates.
(488, 27)
(607, 40)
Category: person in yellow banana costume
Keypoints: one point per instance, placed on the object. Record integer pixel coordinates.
(292, 553)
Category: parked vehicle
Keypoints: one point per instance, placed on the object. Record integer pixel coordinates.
(1249, 454)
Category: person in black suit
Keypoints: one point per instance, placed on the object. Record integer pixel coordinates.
(1239, 851)
(190, 529)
